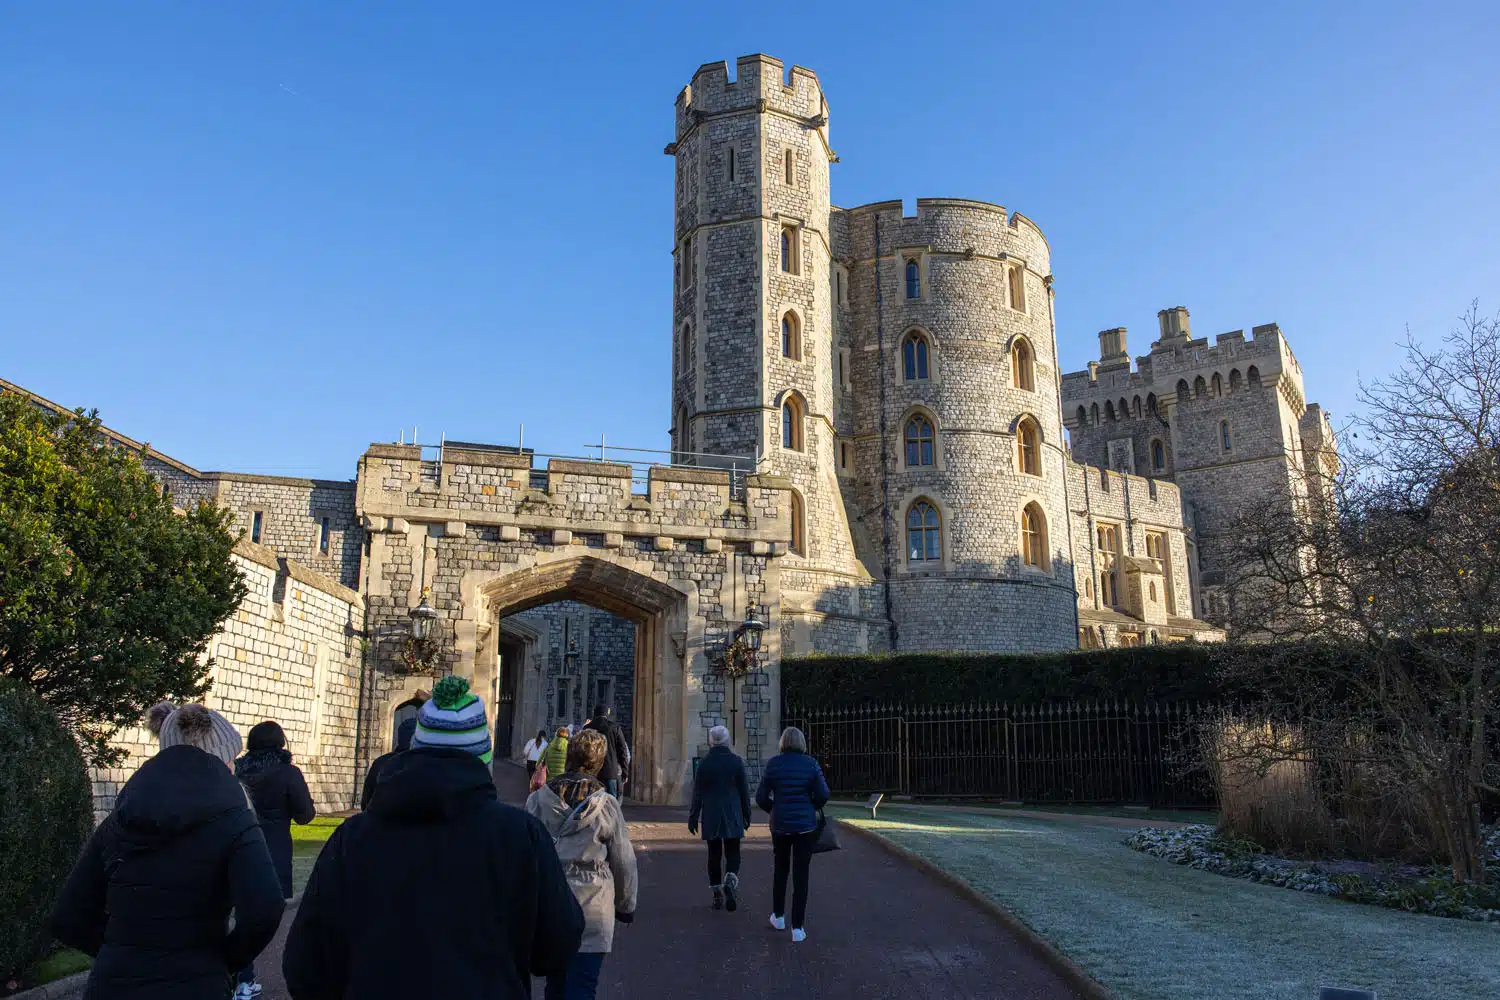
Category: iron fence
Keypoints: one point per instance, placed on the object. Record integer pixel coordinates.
(1098, 752)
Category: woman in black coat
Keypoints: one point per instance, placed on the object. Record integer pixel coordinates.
(721, 800)
(151, 896)
(279, 794)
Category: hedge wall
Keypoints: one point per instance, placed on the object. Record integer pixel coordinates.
(1179, 671)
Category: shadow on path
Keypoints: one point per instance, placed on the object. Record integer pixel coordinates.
(876, 929)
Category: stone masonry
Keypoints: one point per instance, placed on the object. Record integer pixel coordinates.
(868, 428)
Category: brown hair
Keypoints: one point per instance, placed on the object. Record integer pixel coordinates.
(586, 752)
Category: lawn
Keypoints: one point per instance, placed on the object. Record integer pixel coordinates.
(1151, 930)
(307, 841)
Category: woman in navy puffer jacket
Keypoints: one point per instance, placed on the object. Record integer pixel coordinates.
(792, 790)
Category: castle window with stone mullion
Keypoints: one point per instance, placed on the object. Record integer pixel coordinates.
(924, 533)
(919, 442)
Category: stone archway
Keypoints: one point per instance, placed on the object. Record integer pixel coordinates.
(667, 627)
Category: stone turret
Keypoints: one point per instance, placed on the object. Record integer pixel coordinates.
(1175, 328)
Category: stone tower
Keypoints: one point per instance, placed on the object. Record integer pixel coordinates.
(753, 362)
(1228, 422)
(953, 414)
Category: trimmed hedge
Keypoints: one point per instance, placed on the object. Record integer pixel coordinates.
(1176, 672)
(46, 816)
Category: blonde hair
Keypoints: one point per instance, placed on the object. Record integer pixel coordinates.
(562, 733)
(792, 740)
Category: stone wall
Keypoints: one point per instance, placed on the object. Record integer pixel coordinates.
(292, 519)
(605, 648)
(288, 654)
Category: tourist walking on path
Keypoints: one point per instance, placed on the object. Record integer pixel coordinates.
(438, 889)
(151, 896)
(280, 797)
(792, 790)
(533, 751)
(594, 846)
(556, 754)
(721, 805)
(404, 733)
(617, 761)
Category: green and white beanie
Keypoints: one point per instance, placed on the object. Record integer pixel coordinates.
(453, 718)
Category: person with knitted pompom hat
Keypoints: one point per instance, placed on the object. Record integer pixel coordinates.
(151, 897)
(370, 904)
(453, 718)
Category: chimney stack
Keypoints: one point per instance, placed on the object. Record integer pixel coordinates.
(1112, 352)
(1174, 325)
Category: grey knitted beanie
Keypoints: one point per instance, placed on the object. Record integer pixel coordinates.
(200, 726)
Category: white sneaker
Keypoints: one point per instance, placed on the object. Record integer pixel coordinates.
(778, 923)
(798, 935)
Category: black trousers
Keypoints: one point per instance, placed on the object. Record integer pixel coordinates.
(793, 857)
(721, 852)
(530, 768)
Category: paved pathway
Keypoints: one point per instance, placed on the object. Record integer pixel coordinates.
(876, 929)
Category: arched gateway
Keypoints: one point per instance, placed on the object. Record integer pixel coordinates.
(488, 538)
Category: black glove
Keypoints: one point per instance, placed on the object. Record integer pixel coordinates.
(625, 918)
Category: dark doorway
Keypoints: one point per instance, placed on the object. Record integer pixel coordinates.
(406, 710)
(512, 662)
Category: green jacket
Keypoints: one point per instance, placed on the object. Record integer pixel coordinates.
(556, 756)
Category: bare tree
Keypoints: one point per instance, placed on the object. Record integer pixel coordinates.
(1394, 556)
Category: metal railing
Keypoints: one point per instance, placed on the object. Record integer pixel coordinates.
(1099, 752)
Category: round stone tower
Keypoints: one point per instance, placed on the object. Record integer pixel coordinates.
(958, 446)
(753, 361)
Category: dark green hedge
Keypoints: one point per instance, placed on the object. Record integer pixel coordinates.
(46, 815)
(1241, 674)
(1183, 671)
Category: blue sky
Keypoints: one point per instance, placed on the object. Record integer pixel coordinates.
(262, 235)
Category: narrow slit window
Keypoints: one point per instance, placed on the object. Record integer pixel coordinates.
(791, 168)
(913, 280)
(323, 535)
(799, 525)
(731, 163)
(1224, 434)
(256, 520)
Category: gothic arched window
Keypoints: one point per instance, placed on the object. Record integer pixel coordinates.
(791, 337)
(799, 524)
(919, 442)
(924, 533)
(914, 357)
(1033, 536)
(789, 249)
(791, 424)
(1022, 376)
(1158, 455)
(1028, 447)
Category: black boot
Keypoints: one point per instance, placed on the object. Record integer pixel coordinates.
(732, 892)
(719, 898)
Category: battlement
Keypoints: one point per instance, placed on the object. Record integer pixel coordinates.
(761, 82)
(946, 225)
(1179, 356)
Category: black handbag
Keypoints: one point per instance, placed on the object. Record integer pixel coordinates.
(827, 838)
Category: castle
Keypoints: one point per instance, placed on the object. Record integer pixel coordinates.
(868, 427)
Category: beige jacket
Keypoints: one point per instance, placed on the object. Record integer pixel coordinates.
(593, 845)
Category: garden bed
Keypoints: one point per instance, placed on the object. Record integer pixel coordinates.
(1413, 888)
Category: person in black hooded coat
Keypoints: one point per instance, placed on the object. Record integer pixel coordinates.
(437, 890)
(150, 897)
(279, 793)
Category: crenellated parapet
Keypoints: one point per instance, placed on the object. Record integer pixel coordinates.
(500, 489)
